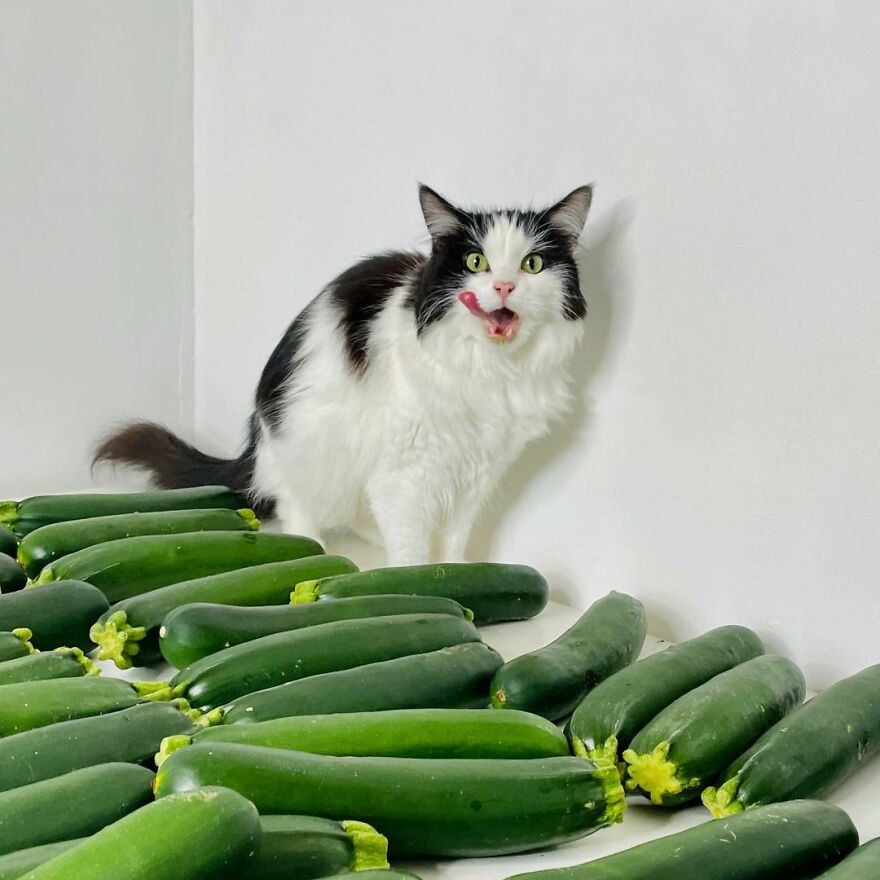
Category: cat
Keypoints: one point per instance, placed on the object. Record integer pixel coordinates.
(402, 394)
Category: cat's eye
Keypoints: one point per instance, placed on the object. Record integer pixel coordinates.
(476, 262)
(532, 264)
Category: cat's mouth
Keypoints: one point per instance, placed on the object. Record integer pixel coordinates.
(502, 325)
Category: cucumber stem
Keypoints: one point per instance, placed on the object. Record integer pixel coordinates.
(47, 576)
(370, 847)
(116, 639)
(91, 668)
(615, 797)
(655, 774)
(210, 719)
(9, 512)
(304, 592)
(250, 518)
(606, 752)
(499, 699)
(721, 802)
(183, 706)
(24, 635)
(153, 691)
(170, 745)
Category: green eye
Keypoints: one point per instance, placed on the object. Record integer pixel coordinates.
(532, 264)
(476, 262)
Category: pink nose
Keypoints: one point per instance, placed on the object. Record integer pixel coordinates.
(504, 289)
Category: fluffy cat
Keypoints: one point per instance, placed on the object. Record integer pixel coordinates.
(404, 391)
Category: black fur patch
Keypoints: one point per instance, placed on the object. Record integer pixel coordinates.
(278, 370)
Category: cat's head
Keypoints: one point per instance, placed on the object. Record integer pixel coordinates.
(501, 278)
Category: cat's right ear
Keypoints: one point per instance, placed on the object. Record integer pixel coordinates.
(441, 217)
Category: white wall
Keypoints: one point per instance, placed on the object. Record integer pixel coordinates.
(95, 228)
(725, 462)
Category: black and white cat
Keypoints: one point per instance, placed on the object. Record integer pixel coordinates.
(403, 392)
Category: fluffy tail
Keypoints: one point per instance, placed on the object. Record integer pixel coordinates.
(175, 464)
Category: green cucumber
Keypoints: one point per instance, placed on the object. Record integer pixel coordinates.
(46, 665)
(199, 629)
(306, 847)
(793, 841)
(208, 834)
(58, 615)
(552, 680)
(8, 542)
(402, 733)
(692, 740)
(12, 575)
(863, 864)
(128, 633)
(493, 591)
(15, 644)
(131, 566)
(16, 864)
(51, 542)
(809, 753)
(617, 709)
(424, 806)
(328, 647)
(73, 805)
(132, 735)
(452, 678)
(25, 516)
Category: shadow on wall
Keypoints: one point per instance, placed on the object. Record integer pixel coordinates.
(604, 281)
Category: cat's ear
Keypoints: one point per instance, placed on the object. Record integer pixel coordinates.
(441, 217)
(570, 214)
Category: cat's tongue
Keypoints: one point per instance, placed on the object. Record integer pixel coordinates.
(502, 325)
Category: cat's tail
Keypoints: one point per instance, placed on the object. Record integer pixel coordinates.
(174, 464)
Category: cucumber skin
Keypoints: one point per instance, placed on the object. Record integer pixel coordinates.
(328, 647)
(8, 542)
(59, 614)
(198, 629)
(73, 805)
(404, 733)
(131, 736)
(552, 680)
(131, 566)
(26, 516)
(202, 835)
(451, 678)
(13, 647)
(624, 703)
(863, 864)
(254, 585)
(41, 666)
(30, 705)
(816, 748)
(12, 575)
(51, 542)
(708, 727)
(494, 592)
(424, 807)
(16, 864)
(792, 841)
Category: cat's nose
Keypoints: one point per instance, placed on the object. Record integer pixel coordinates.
(504, 289)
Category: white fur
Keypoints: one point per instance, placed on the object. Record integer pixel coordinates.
(419, 441)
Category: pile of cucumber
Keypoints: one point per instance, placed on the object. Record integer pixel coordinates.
(322, 720)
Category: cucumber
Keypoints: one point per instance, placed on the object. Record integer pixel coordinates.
(863, 864)
(8, 542)
(132, 735)
(73, 805)
(12, 575)
(51, 542)
(809, 753)
(199, 629)
(128, 633)
(793, 841)
(25, 516)
(693, 739)
(16, 864)
(402, 733)
(493, 591)
(613, 712)
(552, 680)
(288, 656)
(200, 835)
(453, 678)
(46, 665)
(425, 807)
(32, 704)
(15, 644)
(306, 847)
(131, 566)
(58, 615)
(373, 875)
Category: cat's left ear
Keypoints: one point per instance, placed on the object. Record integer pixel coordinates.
(570, 214)
(441, 217)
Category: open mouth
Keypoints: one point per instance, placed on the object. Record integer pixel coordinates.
(502, 325)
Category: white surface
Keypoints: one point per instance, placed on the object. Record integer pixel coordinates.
(95, 228)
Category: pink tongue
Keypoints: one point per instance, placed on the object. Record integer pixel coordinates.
(501, 324)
